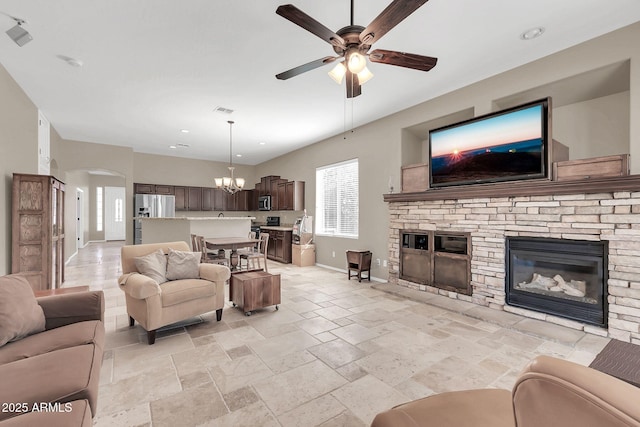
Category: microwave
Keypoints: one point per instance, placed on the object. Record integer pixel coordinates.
(264, 203)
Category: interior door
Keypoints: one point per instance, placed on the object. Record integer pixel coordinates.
(114, 210)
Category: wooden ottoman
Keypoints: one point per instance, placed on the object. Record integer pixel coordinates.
(254, 289)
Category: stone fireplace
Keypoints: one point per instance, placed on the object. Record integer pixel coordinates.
(606, 212)
(561, 277)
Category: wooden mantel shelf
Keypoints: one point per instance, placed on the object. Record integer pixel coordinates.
(521, 188)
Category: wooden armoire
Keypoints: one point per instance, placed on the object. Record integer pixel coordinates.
(38, 230)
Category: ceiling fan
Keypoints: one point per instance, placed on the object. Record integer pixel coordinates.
(353, 43)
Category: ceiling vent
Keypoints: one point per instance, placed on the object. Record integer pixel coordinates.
(182, 145)
(223, 110)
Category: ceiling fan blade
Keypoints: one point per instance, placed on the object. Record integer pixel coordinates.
(305, 67)
(395, 13)
(401, 59)
(353, 85)
(298, 17)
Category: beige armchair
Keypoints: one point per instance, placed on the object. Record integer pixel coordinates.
(550, 392)
(154, 306)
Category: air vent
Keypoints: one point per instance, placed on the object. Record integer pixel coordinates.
(223, 110)
(182, 145)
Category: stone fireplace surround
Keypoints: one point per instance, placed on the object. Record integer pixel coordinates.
(613, 216)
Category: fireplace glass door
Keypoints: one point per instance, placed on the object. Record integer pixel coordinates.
(566, 278)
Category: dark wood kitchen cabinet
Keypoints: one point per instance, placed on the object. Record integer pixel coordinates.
(207, 199)
(220, 199)
(285, 195)
(153, 189)
(144, 188)
(279, 248)
(194, 202)
(166, 190)
(273, 191)
(291, 196)
(242, 200)
(188, 198)
(181, 194)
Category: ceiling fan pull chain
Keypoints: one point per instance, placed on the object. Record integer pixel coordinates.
(344, 119)
(352, 115)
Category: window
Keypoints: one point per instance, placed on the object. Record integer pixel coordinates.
(337, 199)
(119, 211)
(99, 208)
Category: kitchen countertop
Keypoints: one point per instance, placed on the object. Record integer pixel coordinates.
(200, 218)
(276, 227)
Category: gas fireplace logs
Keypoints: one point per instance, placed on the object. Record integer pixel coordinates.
(574, 288)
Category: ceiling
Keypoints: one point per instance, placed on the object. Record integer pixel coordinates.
(154, 67)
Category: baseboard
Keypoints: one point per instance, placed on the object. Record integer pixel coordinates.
(71, 257)
(342, 270)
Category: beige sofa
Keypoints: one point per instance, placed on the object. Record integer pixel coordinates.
(549, 392)
(155, 305)
(51, 378)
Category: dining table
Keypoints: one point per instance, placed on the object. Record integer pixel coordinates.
(232, 243)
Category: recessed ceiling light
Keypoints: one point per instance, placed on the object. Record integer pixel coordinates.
(263, 143)
(238, 155)
(532, 33)
(184, 130)
(173, 147)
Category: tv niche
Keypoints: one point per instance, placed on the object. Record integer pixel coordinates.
(507, 145)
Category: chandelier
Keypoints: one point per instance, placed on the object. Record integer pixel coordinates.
(230, 184)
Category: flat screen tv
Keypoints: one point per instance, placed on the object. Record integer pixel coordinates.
(508, 145)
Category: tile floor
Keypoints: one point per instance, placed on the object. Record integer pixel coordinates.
(335, 354)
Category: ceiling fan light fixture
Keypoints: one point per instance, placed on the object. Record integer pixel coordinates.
(338, 72)
(356, 62)
(364, 76)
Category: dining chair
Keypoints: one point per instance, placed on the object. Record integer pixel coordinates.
(208, 256)
(250, 249)
(254, 256)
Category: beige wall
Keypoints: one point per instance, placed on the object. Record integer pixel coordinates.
(603, 130)
(377, 145)
(18, 152)
(155, 169)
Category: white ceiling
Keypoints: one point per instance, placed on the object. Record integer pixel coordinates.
(154, 67)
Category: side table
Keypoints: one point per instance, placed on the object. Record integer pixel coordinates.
(60, 291)
(359, 261)
(254, 289)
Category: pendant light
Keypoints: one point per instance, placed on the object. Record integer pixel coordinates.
(230, 184)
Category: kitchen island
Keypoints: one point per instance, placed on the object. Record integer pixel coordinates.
(158, 230)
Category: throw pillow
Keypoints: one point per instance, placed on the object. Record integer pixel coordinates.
(153, 265)
(183, 265)
(20, 314)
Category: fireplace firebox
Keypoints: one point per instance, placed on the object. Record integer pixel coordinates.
(561, 277)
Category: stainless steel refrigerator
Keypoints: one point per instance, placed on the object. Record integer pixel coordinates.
(151, 206)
